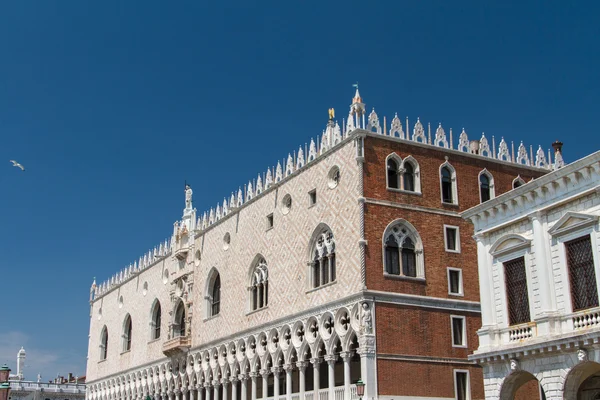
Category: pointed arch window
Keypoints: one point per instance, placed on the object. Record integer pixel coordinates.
(127, 327)
(517, 182)
(156, 321)
(259, 286)
(323, 263)
(393, 177)
(448, 187)
(403, 251)
(216, 297)
(104, 343)
(179, 326)
(486, 186)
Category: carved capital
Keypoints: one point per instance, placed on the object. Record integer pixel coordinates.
(301, 365)
(288, 367)
(265, 373)
(346, 355)
(315, 362)
(330, 359)
(276, 371)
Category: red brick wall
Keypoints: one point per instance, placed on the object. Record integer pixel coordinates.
(413, 331)
(406, 378)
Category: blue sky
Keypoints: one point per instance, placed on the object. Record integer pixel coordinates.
(112, 105)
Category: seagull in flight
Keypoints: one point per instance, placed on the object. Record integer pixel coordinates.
(16, 164)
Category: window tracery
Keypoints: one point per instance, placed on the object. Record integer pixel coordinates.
(127, 333)
(323, 263)
(448, 186)
(403, 251)
(259, 286)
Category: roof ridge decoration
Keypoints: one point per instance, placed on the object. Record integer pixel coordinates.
(331, 137)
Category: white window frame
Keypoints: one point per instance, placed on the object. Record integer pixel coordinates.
(499, 260)
(464, 330)
(398, 161)
(460, 282)
(560, 236)
(452, 182)
(491, 179)
(457, 250)
(419, 253)
(468, 385)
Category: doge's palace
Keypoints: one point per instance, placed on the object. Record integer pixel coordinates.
(346, 260)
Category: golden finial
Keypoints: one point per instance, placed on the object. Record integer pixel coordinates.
(331, 113)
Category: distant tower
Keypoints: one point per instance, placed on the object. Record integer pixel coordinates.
(20, 363)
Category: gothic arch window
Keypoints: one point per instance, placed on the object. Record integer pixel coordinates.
(127, 326)
(486, 186)
(213, 294)
(393, 171)
(259, 284)
(179, 326)
(448, 187)
(156, 322)
(411, 175)
(323, 257)
(403, 250)
(518, 181)
(104, 343)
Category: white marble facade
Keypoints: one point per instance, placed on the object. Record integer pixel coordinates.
(553, 224)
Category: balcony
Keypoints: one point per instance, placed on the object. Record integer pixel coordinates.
(181, 253)
(177, 345)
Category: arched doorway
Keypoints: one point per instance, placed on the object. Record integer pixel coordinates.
(521, 385)
(583, 382)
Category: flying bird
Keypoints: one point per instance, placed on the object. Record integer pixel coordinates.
(16, 164)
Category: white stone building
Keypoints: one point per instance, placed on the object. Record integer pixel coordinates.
(539, 271)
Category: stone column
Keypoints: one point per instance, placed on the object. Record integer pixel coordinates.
(191, 392)
(288, 380)
(254, 377)
(244, 380)
(200, 388)
(346, 356)
(276, 372)
(486, 293)
(265, 385)
(207, 386)
(366, 349)
(301, 365)
(331, 376)
(315, 362)
(224, 382)
(234, 384)
(216, 385)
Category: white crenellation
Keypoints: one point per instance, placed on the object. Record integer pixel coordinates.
(312, 152)
(300, 158)
(463, 141)
(522, 157)
(396, 128)
(419, 132)
(440, 137)
(373, 124)
(278, 173)
(259, 185)
(484, 147)
(268, 179)
(503, 153)
(289, 166)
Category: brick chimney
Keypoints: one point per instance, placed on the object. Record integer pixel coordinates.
(4, 385)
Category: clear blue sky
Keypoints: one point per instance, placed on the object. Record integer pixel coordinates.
(111, 105)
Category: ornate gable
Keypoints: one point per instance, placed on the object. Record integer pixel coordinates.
(572, 221)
